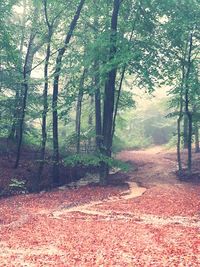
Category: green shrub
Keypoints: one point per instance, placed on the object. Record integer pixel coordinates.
(17, 184)
(95, 161)
(131, 142)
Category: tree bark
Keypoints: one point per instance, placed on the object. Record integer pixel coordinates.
(118, 98)
(196, 136)
(109, 94)
(179, 143)
(90, 122)
(14, 133)
(31, 51)
(26, 76)
(97, 97)
(189, 142)
(98, 118)
(185, 131)
(180, 118)
(56, 179)
(79, 112)
(187, 111)
(45, 100)
(122, 77)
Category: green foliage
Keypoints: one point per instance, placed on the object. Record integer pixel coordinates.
(172, 142)
(137, 139)
(145, 126)
(31, 136)
(16, 184)
(126, 101)
(83, 160)
(94, 161)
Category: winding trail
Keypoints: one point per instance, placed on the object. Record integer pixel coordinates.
(154, 168)
(155, 222)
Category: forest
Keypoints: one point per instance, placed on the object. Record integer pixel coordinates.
(106, 92)
(69, 73)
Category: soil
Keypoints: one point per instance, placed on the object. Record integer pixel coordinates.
(28, 171)
(148, 217)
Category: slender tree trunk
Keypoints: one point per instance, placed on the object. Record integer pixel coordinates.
(98, 115)
(98, 123)
(187, 111)
(56, 179)
(79, 112)
(90, 121)
(44, 113)
(179, 142)
(26, 76)
(78, 119)
(185, 131)
(45, 100)
(189, 142)
(14, 133)
(196, 136)
(180, 119)
(122, 77)
(117, 100)
(109, 95)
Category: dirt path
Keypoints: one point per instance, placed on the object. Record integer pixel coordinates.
(156, 222)
(155, 166)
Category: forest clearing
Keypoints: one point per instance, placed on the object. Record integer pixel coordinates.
(154, 223)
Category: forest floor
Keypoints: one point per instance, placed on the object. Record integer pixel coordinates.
(150, 219)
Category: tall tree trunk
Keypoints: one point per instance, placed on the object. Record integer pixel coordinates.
(45, 100)
(109, 95)
(98, 123)
(79, 112)
(26, 76)
(180, 119)
(179, 142)
(122, 76)
(189, 142)
(185, 131)
(78, 119)
(90, 121)
(196, 136)
(56, 179)
(187, 111)
(31, 51)
(117, 100)
(14, 133)
(96, 81)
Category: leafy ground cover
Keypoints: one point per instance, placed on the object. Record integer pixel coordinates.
(155, 222)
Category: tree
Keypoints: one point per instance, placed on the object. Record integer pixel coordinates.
(60, 55)
(109, 95)
(180, 51)
(9, 61)
(79, 111)
(27, 68)
(50, 29)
